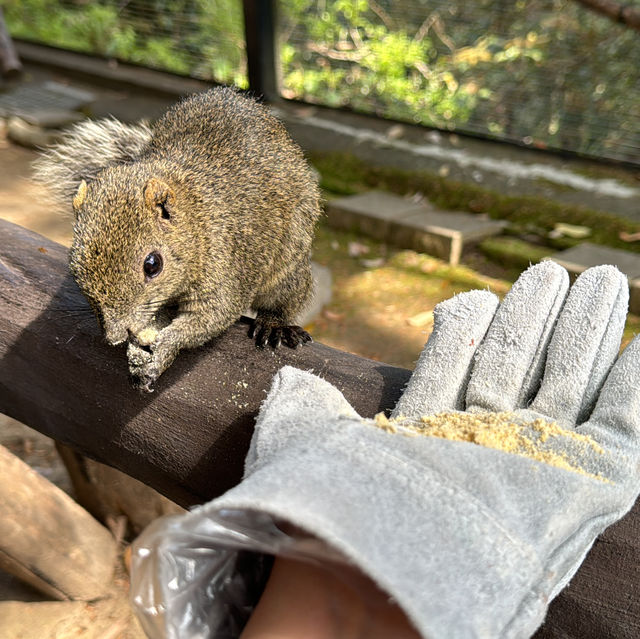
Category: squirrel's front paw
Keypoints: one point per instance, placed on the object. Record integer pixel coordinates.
(147, 361)
(143, 369)
(265, 332)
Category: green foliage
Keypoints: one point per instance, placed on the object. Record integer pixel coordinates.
(339, 52)
(546, 73)
(201, 38)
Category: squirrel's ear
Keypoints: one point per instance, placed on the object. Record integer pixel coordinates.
(80, 196)
(159, 195)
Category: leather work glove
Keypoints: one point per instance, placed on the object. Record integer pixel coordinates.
(515, 444)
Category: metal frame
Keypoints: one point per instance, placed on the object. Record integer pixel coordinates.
(263, 68)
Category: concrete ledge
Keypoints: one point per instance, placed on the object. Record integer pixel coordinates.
(97, 69)
(396, 220)
(374, 213)
(585, 255)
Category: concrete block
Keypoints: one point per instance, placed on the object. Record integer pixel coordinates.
(445, 244)
(372, 213)
(393, 219)
(585, 255)
(445, 233)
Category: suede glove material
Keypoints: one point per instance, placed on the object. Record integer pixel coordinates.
(514, 445)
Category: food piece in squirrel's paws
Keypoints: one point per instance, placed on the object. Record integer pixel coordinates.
(147, 336)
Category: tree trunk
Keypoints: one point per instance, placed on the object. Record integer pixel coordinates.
(628, 15)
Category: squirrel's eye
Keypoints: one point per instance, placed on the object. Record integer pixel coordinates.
(152, 265)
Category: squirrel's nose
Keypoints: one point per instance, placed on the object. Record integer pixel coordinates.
(114, 327)
(115, 337)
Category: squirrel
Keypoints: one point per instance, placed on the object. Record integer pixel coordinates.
(182, 226)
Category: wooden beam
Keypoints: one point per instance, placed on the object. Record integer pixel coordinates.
(49, 541)
(189, 438)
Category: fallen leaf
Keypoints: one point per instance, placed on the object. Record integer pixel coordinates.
(331, 316)
(421, 319)
(629, 237)
(356, 249)
(396, 131)
(375, 263)
(570, 230)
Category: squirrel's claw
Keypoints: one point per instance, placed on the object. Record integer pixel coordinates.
(274, 335)
(295, 336)
(144, 384)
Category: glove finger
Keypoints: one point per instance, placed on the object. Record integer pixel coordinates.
(442, 372)
(615, 421)
(584, 345)
(510, 361)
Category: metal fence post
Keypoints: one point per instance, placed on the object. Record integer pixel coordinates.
(262, 55)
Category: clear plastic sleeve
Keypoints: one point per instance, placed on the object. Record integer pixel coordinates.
(200, 576)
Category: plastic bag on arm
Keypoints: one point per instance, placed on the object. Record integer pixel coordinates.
(198, 578)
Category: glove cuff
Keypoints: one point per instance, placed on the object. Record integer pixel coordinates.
(389, 519)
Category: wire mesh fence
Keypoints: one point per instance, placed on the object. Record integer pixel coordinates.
(200, 38)
(545, 73)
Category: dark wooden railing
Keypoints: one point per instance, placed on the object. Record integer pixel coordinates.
(188, 439)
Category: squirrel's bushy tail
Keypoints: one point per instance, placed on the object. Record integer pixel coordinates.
(85, 150)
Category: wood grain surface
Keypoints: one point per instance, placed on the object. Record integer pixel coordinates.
(49, 541)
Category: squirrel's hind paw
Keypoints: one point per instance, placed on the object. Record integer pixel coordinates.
(268, 334)
(142, 383)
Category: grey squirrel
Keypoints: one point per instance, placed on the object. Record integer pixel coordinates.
(182, 226)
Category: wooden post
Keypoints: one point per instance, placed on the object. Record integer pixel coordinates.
(49, 541)
(263, 66)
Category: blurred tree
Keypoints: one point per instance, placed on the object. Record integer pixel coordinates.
(622, 13)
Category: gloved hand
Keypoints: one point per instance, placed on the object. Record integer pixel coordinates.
(475, 503)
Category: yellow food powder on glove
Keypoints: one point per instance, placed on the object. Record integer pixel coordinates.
(502, 431)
